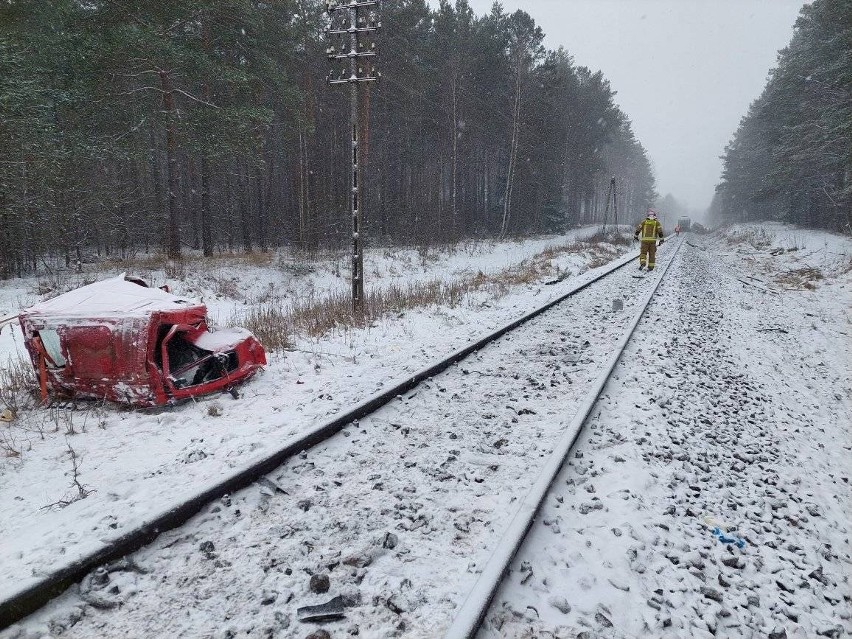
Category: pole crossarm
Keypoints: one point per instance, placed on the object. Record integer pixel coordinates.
(350, 80)
(339, 5)
(352, 30)
(351, 54)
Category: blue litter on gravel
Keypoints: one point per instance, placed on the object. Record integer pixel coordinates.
(725, 539)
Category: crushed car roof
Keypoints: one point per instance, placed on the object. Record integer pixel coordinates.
(115, 297)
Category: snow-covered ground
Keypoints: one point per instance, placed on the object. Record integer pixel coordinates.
(730, 410)
(139, 463)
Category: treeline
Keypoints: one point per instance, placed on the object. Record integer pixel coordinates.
(791, 157)
(132, 126)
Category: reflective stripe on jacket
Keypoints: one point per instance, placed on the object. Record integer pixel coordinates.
(650, 230)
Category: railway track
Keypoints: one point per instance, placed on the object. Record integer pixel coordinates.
(538, 367)
(468, 620)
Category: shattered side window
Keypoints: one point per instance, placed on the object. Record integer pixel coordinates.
(190, 365)
(185, 360)
(50, 339)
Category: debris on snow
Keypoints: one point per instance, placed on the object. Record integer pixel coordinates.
(328, 611)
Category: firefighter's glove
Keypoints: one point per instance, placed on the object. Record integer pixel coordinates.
(661, 241)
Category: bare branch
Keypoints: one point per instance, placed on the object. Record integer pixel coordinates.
(199, 100)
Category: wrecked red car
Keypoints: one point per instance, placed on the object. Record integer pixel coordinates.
(122, 341)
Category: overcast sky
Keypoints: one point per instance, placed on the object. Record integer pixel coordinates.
(685, 70)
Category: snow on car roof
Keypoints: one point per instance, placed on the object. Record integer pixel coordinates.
(111, 298)
(221, 339)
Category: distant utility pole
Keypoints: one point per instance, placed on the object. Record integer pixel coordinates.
(358, 17)
(610, 197)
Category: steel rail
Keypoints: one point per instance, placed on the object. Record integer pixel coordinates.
(34, 593)
(468, 620)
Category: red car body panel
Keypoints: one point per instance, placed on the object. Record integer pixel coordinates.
(124, 342)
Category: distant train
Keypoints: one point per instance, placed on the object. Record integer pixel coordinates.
(684, 223)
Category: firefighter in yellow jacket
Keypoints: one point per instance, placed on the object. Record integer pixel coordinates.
(648, 232)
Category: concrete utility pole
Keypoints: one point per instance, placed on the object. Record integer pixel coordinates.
(361, 17)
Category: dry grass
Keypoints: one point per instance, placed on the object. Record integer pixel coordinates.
(277, 324)
(228, 287)
(599, 251)
(17, 393)
(56, 283)
(271, 323)
(17, 385)
(609, 237)
(148, 268)
(159, 262)
(800, 278)
(10, 444)
(759, 239)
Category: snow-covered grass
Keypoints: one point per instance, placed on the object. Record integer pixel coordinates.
(277, 322)
(793, 258)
